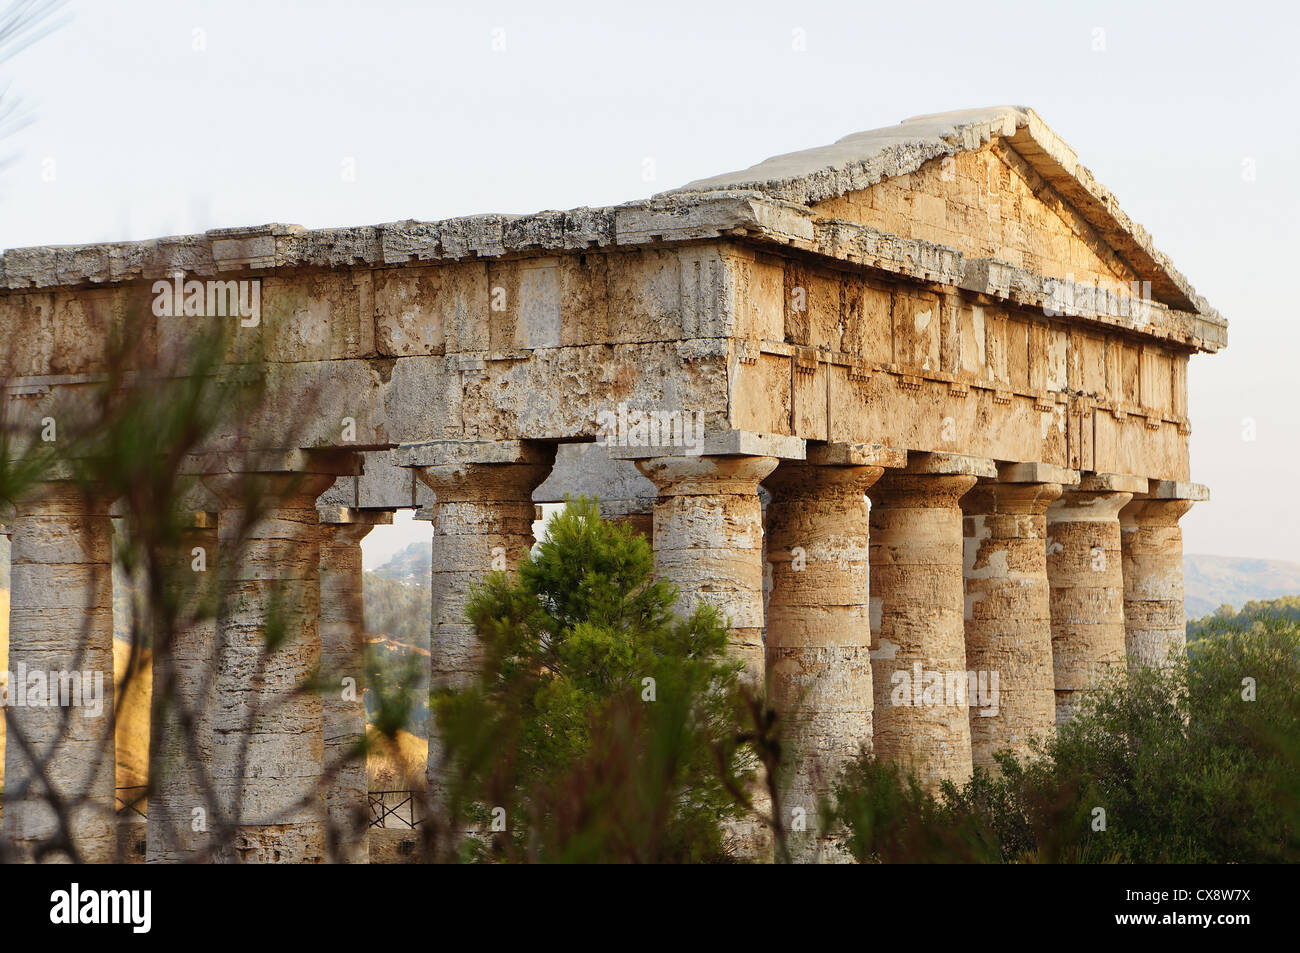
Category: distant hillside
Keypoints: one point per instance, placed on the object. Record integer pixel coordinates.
(1213, 581)
(410, 565)
(397, 609)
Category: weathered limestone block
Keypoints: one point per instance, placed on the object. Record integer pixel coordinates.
(1085, 571)
(1152, 545)
(268, 737)
(60, 633)
(818, 632)
(708, 539)
(343, 670)
(482, 521)
(180, 735)
(918, 662)
(1008, 617)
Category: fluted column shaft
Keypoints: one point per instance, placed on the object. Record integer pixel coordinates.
(268, 734)
(818, 629)
(343, 665)
(919, 668)
(1008, 617)
(1085, 571)
(708, 541)
(1152, 544)
(482, 521)
(60, 650)
(184, 686)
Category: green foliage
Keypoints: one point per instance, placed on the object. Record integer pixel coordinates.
(397, 609)
(1226, 618)
(605, 726)
(1187, 765)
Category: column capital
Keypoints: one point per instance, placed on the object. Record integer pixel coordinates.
(918, 490)
(1144, 511)
(63, 497)
(1021, 499)
(1087, 506)
(483, 482)
(238, 490)
(797, 480)
(706, 475)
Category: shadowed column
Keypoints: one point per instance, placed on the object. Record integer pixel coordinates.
(343, 667)
(818, 631)
(918, 666)
(1087, 586)
(268, 736)
(183, 689)
(1008, 617)
(482, 521)
(60, 694)
(1152, 543)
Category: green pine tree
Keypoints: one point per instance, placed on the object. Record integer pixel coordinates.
(606, 727)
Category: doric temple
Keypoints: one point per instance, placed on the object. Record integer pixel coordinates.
(911, 409)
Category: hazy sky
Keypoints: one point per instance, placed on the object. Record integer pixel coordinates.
(166, 116)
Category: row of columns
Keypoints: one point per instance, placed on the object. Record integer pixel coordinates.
(257, 681)
(967, 610)
(876, 617)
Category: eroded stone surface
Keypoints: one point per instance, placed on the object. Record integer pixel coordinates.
(180, 742)
(268, 743)
(1087, 592)
(918, 636)
(818, 633)
(1152, 546)
(1008, 617)
(60, 629)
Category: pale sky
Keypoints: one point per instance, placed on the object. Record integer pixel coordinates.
(160, 117)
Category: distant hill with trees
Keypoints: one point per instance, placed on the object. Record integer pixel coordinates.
(1213, 581)
(1287, 607)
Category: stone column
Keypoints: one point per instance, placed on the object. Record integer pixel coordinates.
(1008, 616)
(343, 669)
(183, 691)
(921, 717)
(1152, 545)
(6, 530)
(268, 738)
(60, 644)
(482, 521)
(818, 632)
(1087, 585)
(708, 541)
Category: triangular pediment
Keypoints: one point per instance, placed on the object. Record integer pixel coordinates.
(990, 183)
(987, 203)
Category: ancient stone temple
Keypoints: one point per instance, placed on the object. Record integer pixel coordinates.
(912, 409)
